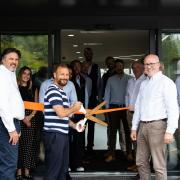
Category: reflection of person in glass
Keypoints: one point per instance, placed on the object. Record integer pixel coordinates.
(156, 116)
(177, 133)
(11, 111)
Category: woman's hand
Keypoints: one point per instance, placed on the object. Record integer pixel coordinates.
(27, 121)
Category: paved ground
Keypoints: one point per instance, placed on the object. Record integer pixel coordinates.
(107, 176)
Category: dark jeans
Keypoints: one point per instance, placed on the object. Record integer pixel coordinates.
(114, 125)
(8, 153)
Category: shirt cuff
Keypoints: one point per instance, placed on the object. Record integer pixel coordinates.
(134, 128)
(170, 130)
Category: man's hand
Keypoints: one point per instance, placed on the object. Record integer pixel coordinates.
(14, 137)
(134, 135)
(80, 126)
(77, 106)
(168, 138)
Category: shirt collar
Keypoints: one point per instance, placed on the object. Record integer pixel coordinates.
(6, 70)
(156, 76)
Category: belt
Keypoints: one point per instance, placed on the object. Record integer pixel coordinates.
(146, 122)
(117, 105)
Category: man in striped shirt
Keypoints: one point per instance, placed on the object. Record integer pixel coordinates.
(56, 125)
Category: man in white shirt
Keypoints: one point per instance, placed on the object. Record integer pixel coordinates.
(11, 111)
(132, 93)
(156, 119)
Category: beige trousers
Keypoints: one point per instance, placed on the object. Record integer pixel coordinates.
(150, 142)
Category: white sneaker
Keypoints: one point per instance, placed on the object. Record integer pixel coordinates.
(80, 169)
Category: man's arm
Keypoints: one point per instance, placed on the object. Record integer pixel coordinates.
(107, 93)
(170, 96)
(44, 86)
(73, 95)
(66, 112)
(5, 112)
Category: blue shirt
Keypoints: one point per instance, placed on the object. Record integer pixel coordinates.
(52, 122)
(115, 90)
(69, 90)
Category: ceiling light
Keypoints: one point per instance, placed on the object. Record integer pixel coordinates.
(70, 35)
(80, 57)
(75, 45)
(92, 44)
(92, 32)
(78, 52)
(132, 55)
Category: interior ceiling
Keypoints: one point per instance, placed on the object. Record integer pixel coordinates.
(124, 44)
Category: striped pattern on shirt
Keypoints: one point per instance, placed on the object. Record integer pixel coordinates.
(53, 123)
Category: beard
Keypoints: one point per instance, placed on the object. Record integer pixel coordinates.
(62, 82)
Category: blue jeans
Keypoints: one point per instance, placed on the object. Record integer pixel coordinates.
(8, 153)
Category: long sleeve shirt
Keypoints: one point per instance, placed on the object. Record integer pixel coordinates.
(157, 99)
(11, 103)
(115, 90)
(133, 90)
(69, 89)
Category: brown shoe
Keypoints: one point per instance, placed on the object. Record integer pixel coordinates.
(107, 154)
(130, 157)
(132, 168)
(110, 158)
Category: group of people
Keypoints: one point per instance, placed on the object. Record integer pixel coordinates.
(145, 128)
(20, 129)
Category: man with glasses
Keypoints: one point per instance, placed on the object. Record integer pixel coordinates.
(155, 118)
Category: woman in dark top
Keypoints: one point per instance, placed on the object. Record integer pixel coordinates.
(28, 144)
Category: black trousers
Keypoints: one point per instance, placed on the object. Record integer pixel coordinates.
(114, 125)
(8, 153)
(56, 155)
(77, 145)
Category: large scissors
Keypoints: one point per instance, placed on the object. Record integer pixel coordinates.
(89, 115)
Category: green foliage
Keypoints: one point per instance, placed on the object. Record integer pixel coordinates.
(170, 53)
(34, 49)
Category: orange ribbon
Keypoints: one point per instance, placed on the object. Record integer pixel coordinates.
(40, 107)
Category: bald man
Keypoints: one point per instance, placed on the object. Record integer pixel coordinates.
(156, 118)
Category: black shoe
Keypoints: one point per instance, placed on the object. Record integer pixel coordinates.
(28, 177)
(19, 177)
(68, 177)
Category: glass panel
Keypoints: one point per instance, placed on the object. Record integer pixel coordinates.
(171, 53)
(121, 44)
(171, 60)
(34, 49)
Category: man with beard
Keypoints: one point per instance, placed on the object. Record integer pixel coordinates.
(115, 92)
(56, 125)
(11, 111)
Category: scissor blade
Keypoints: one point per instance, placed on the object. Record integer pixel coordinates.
(93, 111)
(94, 119)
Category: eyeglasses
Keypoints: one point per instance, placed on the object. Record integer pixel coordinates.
(150, 64)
